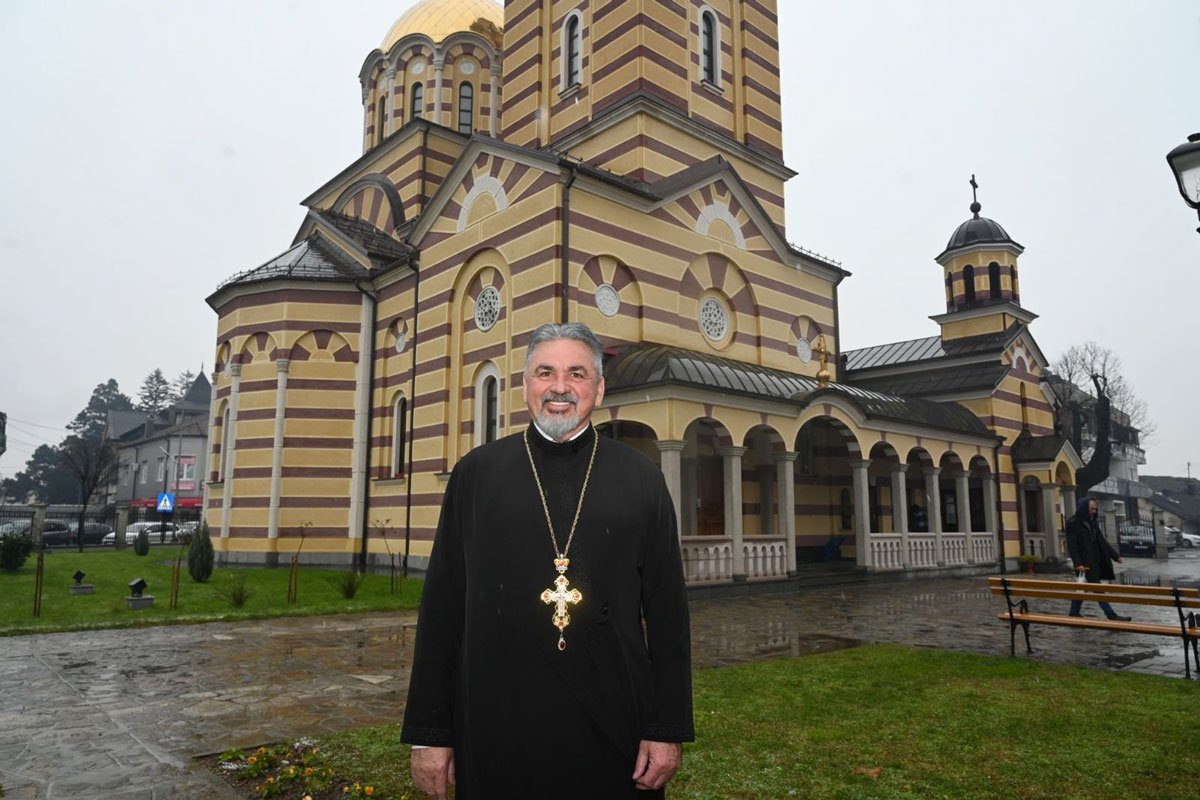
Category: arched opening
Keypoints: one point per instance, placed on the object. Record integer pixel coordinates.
(980, 473)
(466, 108)
(572, 50)
(703, 482)
(417, 103)
(381, 115)
(823, 494)
(949, 291)
(994, 280)
(487, 404)
(399, 434)
(635, 434)
(223, 462)
(969, 284)
(709, 47)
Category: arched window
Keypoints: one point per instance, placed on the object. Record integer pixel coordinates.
(381, 109)
(994, 280)
(223, 459)
(418, 101)
(969, 283)
(466, 108)
(949, 290)
(1016, 290)
(572, 51)
(399, 434)
(1024, 408)
(710, 52)
(487, 404)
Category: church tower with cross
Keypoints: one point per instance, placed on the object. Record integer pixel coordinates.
(979, 266)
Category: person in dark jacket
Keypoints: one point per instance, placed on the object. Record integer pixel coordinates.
(1091, 553)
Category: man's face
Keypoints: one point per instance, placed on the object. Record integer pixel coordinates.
(1092, 508)
(561, 387)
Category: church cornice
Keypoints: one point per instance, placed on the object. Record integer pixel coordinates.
(643, 103)
(1013, 249)
(1011, 309)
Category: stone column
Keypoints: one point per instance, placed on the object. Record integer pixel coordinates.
(862, 512)
(361, 448)
(1109, 514)
(933, 501)
(228, 455)
(900, 510)
(990, 516)
(1162, 548)
(732, 456)
(493, 116)
(272, 555)
(962, 490)
(1069, 501)
(390, 101)
(670, 455)
(1050, 521)
(785, 485)
(438, 64)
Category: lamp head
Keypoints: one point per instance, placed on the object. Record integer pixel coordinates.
(1185, 163)
(137, 586)
(79, 576)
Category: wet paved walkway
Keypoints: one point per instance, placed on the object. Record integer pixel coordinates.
(120, 715)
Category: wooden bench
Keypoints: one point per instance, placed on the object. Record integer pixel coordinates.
(1017, 592)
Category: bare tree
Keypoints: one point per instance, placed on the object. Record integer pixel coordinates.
(1111, 410)
(92, 461)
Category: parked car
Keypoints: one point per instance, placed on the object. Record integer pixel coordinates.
(1135, 540)
(93, 532)
(1189, 539)
(54, 532)
(159, 532)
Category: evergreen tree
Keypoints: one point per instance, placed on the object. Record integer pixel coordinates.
(200, 554)
(155, 394)
(90, 422)
(43, 477)
(181, 385)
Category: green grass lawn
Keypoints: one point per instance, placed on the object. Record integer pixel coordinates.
(110, 571)
(886, 722)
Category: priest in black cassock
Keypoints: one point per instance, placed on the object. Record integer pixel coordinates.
(552, 654)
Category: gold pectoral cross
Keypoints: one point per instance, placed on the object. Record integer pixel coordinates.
(560, 595)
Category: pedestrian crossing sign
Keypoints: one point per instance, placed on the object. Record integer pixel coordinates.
(166, 502)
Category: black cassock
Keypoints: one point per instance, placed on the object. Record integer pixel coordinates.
(526, 719)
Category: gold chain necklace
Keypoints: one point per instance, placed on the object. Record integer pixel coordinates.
(560, 595)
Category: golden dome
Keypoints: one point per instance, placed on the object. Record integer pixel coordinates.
(438, 19)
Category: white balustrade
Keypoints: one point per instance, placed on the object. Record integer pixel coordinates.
(887, 551)
(955, 546)
(922, 550)
(983, 548)
(765, 556)
(1035, 543)
(707, 559)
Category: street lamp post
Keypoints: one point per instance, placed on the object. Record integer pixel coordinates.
(1185, 163)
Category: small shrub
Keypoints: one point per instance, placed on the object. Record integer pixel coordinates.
(200, 554)
(141, 545)
(236, 593)
(348, 583)
(14, 549)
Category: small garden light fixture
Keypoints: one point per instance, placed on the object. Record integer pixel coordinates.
(1185, 163)
(136, 587)
(79, 576)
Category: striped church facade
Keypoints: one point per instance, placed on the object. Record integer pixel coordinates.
(618, 164)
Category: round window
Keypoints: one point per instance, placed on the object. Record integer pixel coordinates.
(608, 301)
(713, 319)
(401, 341)
(487, 308)
(804, 350)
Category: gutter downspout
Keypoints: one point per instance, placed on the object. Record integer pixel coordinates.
(365, 423)
(416, 338)
(566, 239)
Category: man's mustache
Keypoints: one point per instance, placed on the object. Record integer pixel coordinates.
(554, 397)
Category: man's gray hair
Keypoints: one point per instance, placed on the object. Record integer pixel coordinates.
(576, 331)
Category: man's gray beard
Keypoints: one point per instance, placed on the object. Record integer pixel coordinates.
(557, 426)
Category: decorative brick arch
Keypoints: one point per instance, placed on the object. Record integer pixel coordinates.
(323, 345)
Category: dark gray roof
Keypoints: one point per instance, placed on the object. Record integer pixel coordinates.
(198, 396)
(961, 378)
(313, 259)
(927, 349)
(637, 367)
(1028, 448)
(375, 243)
(1172, 494)
(121, 423)
(977, 230)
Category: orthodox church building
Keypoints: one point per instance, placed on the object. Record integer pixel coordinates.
(618, 164)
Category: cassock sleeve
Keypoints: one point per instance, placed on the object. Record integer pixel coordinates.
(429, 710)
(668, 631)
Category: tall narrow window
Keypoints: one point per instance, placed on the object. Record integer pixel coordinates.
(949, 290)
(708, 46)
(399, 434)
(994, 280)
(1024, 408)
(1015, 289)
(466, 108)
(381, 122)
(572, 49)
(491, 408)
(226, 439)
(418, 101)
(969, 283)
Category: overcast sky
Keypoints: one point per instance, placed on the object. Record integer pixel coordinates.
(150, 150)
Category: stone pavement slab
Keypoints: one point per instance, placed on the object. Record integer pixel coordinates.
(121, 715)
